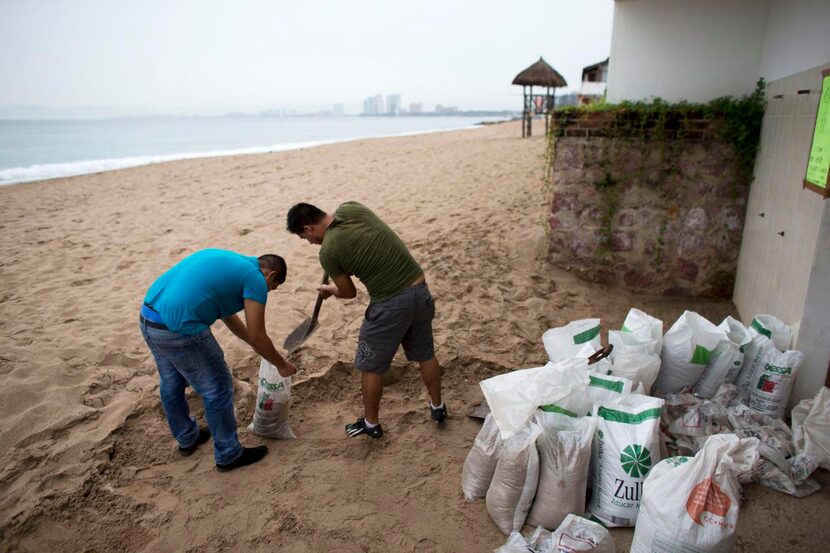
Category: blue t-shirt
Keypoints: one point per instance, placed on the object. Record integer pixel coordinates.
(205, 286)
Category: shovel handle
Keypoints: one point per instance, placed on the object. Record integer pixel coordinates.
(319, 299)
(600, 354)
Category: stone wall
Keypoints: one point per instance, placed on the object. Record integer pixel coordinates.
(653, 210)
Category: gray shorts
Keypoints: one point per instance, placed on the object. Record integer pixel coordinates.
(405, 320)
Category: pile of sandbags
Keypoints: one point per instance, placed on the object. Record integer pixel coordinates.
(559, 429)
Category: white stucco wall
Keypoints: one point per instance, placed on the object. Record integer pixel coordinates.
(797, 37)
(782, 274)
(686, 50)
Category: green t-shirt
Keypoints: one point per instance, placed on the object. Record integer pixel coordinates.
(358, 243)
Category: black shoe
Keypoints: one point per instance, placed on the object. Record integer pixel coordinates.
(250, 455)
(438, 414)
(204, 435)
(359, 427)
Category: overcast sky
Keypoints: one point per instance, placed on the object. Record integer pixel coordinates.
(307, 54)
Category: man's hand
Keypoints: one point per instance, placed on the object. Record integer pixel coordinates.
(340, 287)
(327, 290)
(287, 369)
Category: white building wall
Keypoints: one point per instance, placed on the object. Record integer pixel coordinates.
(797, 37)
(686, 50)
(781, 274)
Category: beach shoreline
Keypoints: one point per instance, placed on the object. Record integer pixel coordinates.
(88, 461)
(52, 170)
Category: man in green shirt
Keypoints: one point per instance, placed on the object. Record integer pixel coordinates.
(355, 242)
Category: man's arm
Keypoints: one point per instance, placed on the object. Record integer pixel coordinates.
(235, 325)
(259, 340)
(341, 287)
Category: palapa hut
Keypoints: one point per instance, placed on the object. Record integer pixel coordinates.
(538, 74)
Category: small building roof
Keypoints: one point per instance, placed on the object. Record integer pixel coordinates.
(540, 74)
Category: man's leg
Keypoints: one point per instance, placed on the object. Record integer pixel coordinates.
(171, 390)
(431, 375)
(372, 386)
(207, 372)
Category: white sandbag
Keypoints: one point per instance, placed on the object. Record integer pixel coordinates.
(575, 339)
(577, 534)
(481, 461)
(626, 446)
(687, 348)
(692, 504)
(811, 427)
(774, 329)
(272, 404)
(516, 542)
(773, 382)
(514, 397)
(753, 357)
(564, 455)
(645, 327)
(629, 343)
(641, 368)
(778, 468)
(514, 480)
(603, 388)
(727, 359)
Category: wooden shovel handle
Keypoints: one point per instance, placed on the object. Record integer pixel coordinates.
(319, 299)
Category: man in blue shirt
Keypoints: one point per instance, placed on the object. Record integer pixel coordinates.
(175, 320)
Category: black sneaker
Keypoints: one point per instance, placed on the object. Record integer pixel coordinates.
(438, 414)
(359, 427)
(204, 435)
(250, 455)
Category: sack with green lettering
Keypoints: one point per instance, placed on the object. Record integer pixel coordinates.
(687, 348)
(575, 339)
(272, 403)
(626, 446)
(639, 367)
(645, 328)
(692, 504)
(775, 329)
(727, 359)
(564, 455)
(773, 382)
(605, 387)
(753, 355)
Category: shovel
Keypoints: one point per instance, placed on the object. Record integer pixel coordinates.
(307, 327)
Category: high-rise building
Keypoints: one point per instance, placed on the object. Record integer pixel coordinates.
(393, 104)
(416, 108)
(338, 109)
(373, 105)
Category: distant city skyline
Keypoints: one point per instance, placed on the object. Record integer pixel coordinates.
(98, 58)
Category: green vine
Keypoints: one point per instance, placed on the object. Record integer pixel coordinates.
(663, 123)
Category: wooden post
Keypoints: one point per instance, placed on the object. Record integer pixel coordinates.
(524, 110)
(529, 116)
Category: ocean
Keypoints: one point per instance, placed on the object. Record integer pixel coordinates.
(38, 150)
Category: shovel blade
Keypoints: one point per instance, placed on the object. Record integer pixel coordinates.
(299, 335)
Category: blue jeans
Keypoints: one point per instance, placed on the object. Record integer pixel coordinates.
(198, 361)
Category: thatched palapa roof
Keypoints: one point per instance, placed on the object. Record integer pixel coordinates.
(540, 74)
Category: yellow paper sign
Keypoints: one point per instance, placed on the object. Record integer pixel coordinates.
(818, 166)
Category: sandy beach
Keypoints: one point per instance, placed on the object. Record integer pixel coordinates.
(87, 463)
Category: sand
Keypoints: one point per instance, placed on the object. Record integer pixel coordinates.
(87, 460)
